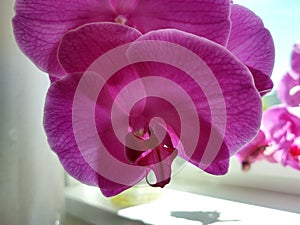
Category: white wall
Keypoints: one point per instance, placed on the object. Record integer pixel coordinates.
(31, 180)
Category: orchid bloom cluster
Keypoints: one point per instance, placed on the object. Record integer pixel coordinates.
(135, 85)
(278, 140)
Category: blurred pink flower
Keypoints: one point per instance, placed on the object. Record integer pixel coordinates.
(282, 130)
(278, 141)
(296, 58)
(288, 90)
(253, 151)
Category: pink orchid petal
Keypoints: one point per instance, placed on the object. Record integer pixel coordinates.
(59, 128)
(124, 7)
(208, 18)
(218, 167)
(103, 32)
(279, 115)
(263, 82)
(252, 43)
(241, 99)
(79, 48)
(108, 35)
(282, 128)
(293, 156)
(253, 151)
(296, 58)
(274, 155)
(39, 25)
(288, 90)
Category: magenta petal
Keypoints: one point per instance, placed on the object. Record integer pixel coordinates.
(296, 58)
(293, 156)
(39, 25)
(276, 117)
(253, 151)
(281, 126)
(252, 43)
(124, 7)
(59, 128)
(225, 101)
(263, 82)
(208, 18)
(81, 47)
(288, 90)
(218, 167)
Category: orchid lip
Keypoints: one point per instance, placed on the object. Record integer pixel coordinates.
(160, 183)
(157, 157)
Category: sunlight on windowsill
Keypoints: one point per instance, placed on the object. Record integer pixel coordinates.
(182, 207)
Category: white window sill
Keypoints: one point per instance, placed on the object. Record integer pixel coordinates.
(89, 205)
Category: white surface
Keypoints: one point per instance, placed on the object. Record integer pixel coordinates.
(88, 204)
(159, 212)
(276, 187)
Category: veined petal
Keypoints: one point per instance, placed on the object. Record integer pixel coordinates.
(39, 25)
(60, 132)
(209, 18)
(82, 47)
(218, 167)
(124, 7)
(79, 48)
(262, 81)
(62, 107)
(220, 87)
(252, 43)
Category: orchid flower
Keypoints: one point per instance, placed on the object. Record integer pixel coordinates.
(296, 58)
(253, 151)
(279, 139)
(282, 129)
(288, 90)
(215, 123)
(138, 84)
(39, 26)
